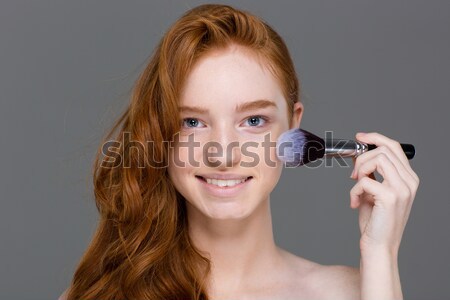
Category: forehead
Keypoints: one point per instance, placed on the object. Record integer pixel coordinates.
(230, 77)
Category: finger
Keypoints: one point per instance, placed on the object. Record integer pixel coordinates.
(382, 140)
(354, 168)
(379, 140)
(354, 165)
(365, 209)
(383, 165)
(393, 158)
(365, 185)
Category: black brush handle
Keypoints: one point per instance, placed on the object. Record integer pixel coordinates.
(409, 149)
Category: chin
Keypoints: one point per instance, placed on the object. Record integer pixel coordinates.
(228, 215)
(231, 210)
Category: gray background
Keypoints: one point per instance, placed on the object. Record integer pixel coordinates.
(66, 70)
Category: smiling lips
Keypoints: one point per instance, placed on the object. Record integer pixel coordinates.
(224, 180)
(224, 186)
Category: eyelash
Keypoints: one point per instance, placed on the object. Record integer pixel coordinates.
(265, 119)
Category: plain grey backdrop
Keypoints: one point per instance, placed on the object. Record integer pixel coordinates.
(66, 71)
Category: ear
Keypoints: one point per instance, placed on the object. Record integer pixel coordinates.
(297, 115)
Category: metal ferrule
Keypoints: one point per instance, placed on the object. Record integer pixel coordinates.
(344, 148)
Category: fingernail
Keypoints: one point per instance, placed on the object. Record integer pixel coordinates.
(353, 173)
(360, 133)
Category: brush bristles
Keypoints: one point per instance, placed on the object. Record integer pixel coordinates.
(297, 147)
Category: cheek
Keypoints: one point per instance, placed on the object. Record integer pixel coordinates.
(183, 158)
(270, 167)
(183, 162)
(270, 171)
(178, 174)
(269, 150)
(269, 178)
(177, 166)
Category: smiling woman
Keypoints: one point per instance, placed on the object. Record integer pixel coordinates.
(226, 117)
(203, 231)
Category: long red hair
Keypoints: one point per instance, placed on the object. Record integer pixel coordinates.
(141, 248)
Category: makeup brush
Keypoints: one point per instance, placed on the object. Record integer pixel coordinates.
(297, 147)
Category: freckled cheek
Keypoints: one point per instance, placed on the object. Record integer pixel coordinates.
(269, 175)
(181, 158)
(269, 156)
(261, 155)
(274, 156)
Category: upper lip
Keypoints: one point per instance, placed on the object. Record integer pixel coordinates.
(228, 176)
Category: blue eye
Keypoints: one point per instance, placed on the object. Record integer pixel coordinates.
(254, 121)
(191, 122)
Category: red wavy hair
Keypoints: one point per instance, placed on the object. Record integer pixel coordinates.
(141, 248)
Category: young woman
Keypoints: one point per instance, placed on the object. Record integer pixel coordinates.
(191, 219)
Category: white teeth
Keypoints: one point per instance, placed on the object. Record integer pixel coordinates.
(222, 183)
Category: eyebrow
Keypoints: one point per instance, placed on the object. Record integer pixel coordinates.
(246, 106)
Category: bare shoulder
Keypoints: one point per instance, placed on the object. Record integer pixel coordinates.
(325, 281)
(338, 282)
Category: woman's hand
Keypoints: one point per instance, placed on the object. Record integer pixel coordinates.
(383, 207)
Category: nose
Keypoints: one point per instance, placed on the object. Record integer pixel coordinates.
(223, 148)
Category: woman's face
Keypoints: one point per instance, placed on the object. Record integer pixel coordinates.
(232, 112)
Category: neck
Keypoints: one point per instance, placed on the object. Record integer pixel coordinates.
(239, 249)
